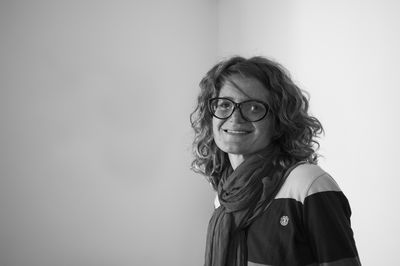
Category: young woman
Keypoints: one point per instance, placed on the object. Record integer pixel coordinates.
(256, 144)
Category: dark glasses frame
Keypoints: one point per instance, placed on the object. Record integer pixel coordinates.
(236, 106)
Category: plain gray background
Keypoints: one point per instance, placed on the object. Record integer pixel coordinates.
(95, 98)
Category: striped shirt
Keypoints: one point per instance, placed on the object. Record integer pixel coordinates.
(308, 223)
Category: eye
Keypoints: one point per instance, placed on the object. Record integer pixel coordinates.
(224, 104)
(256, 107)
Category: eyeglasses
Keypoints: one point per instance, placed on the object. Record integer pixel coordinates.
(250, 110)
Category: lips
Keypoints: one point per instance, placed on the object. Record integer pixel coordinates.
(236, 131)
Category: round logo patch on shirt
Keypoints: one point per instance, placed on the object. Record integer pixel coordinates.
(284, 220)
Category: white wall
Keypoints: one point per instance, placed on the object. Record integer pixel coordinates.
(95, 137)
(346, 54)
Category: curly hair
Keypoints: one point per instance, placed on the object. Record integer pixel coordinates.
(295, 130)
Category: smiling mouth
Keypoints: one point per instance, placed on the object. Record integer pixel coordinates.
(236, 132)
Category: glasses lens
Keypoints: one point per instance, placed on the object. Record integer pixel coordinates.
(221, 108)
(253, 110)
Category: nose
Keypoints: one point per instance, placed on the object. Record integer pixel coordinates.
(236, 117)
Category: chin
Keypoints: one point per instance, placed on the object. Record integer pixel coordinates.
(235, 150)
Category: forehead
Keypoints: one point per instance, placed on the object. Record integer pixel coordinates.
(242, 88)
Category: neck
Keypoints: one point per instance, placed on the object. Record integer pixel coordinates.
(235, 160)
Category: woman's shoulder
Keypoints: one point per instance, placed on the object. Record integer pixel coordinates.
(304, 180)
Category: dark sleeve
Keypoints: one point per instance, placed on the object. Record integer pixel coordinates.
(327, 223)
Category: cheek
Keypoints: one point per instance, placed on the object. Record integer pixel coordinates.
(216, 124)
(265, 131)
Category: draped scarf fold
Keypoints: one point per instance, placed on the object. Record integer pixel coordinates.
(243, 194)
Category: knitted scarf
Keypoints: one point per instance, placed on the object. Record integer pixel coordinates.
(243, 194)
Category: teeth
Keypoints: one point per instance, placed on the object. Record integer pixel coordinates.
(236, 131)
